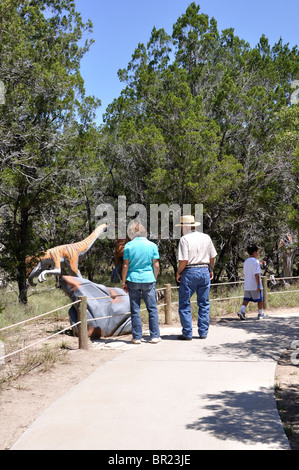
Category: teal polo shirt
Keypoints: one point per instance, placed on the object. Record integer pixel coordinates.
(140, 252)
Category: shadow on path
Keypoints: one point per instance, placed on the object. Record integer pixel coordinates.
(234, 416)
(269, 338)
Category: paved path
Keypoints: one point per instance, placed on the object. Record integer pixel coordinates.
(213, 394)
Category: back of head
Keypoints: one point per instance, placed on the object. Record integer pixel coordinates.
(136, 229)
(252, 248)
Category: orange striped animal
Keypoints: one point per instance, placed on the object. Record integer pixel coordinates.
(63, 255)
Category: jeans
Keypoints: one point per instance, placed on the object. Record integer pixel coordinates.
(195, 280)
(148, 291)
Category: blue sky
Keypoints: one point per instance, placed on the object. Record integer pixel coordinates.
(119, 25)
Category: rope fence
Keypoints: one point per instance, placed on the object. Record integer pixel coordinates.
(38, 316)
(82, 322)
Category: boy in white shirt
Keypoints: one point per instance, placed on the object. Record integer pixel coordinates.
(253, 289)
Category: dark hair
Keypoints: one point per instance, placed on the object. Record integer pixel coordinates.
(252, 248)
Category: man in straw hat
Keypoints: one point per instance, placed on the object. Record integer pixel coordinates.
(196, 255)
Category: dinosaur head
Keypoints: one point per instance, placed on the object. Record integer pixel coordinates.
(31, 262)
(34, 267)
(34, 273)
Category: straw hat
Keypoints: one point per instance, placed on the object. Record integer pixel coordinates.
(188, 221)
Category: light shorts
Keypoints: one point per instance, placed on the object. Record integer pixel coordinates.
(253, 296)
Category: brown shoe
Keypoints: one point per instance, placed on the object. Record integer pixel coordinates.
(184, 338)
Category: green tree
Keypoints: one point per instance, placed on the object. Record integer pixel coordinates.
(197, 123)
(169, 145)
(40, 51)
(242, 89)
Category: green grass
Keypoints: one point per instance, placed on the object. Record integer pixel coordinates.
(46, 297)
(45, 358)
(40, 300)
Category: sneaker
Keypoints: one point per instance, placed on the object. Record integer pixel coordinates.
(262, 316)
(155, 340)
(136, 341)
(241, 315)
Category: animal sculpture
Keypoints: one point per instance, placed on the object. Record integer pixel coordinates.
(108, 309)
(64, 255)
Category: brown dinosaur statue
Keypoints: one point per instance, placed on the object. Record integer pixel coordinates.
(64, 255)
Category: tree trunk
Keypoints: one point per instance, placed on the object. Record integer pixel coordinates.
(21, 252)
(22, 287)
(287, 262)
(89, 264)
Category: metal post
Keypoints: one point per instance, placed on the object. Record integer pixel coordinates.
(167, 307)
(265, 293)
(82, 318)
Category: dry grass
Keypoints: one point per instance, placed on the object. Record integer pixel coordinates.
(44, 354)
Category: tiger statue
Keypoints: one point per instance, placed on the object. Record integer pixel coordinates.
(54, 259)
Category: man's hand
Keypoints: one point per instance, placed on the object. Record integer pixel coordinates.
(182, 265)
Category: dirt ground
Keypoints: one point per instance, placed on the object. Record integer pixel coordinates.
(23, 399)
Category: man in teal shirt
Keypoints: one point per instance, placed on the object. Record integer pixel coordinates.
(139, 274)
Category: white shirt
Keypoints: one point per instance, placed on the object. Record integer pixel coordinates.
(250, 268)
(197, 248)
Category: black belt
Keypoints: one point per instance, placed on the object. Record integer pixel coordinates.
(197, 266)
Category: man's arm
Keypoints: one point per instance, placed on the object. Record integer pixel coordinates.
(212, 264)
(182, 265)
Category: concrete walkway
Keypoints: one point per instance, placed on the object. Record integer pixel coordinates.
(212, 394)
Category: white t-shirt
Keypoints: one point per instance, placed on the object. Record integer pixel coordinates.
(197, 248)
(250, 268)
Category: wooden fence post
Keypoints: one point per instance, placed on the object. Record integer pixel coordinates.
(82, 327)
(265, 292)
(167, 307)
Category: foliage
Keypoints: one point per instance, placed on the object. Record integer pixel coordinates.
(203, 128)
(44, 98)
(203, 118)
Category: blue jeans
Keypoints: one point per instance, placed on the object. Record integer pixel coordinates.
(148, 291)
(195, 280)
